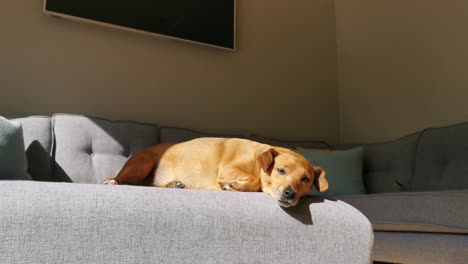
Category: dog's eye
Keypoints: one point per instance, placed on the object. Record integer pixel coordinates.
(305, 180)
(281, 171)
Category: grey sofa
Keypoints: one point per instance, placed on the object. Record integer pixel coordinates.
(417, 197)
(66, 216)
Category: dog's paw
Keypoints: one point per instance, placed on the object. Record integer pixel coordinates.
(230, 186)
(176, 185)
(110, 181)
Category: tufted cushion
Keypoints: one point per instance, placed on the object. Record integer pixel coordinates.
(88, 150)
(442, 159)
(388, 167)
(38, 140)
(176, 135)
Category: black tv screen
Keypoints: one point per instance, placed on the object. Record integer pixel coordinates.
(209, 22)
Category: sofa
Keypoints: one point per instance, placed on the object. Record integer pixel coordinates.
(65, 215)
(417, 196)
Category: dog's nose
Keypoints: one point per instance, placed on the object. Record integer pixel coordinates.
(289, 194)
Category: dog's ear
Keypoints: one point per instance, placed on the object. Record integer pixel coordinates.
(320, 182)
(267, 158)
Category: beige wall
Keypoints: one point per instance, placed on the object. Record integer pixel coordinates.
(403, 66)
(281, 82)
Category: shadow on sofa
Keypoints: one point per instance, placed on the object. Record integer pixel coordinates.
(41, 164)
(297, 212)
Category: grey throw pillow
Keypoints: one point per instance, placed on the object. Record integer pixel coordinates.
(13, 162)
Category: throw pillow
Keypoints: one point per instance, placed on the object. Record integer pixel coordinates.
(13, 162)
(343, 170)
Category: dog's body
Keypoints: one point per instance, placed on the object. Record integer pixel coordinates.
(224, 164)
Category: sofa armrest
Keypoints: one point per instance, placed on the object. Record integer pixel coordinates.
(42, 222)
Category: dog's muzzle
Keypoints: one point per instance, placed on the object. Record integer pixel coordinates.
(287, 198)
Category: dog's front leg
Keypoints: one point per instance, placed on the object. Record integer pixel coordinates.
(237, 179)
(230, 186)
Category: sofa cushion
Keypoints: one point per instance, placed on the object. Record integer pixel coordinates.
(89, 150)
(442, 159)
(13, 162)
(38, 142)
(343, 170)
(427, 248)
(176, 135)
(388, 166)
(291, 144)
(434, 212)
(77, 223)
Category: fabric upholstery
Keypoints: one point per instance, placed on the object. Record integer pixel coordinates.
(442, 159)
(420, 248)
(434, 212)
(13, 162)
(89, 150)
(291, 144)
(87, 223)
(177, 135)
(38, 142)
(343, 170)
(388, 166)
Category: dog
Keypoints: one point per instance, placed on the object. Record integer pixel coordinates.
(230, 164)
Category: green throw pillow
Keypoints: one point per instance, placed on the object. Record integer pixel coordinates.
(13, 162)
(343, 170)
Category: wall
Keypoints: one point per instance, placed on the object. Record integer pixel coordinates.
(281, 82)
(402, 66)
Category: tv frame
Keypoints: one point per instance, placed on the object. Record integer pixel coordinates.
(129, 29)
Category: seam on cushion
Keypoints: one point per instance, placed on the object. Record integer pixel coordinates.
(54, 177)
(417, 223)
(415, 155)
(408, 194)
(448, 229)
(51, 153)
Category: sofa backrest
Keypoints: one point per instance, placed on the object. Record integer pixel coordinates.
(38, 143)
(442, 159)
(431, 160)
(89, 150)
(388, 166)
(77, 148)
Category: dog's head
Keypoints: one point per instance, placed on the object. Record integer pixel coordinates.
(287, 175)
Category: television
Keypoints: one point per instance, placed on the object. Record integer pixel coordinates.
(208, 22)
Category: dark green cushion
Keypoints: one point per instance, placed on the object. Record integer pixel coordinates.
(13, 163)
(343, 170)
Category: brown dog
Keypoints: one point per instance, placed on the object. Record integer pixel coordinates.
(224, 164)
